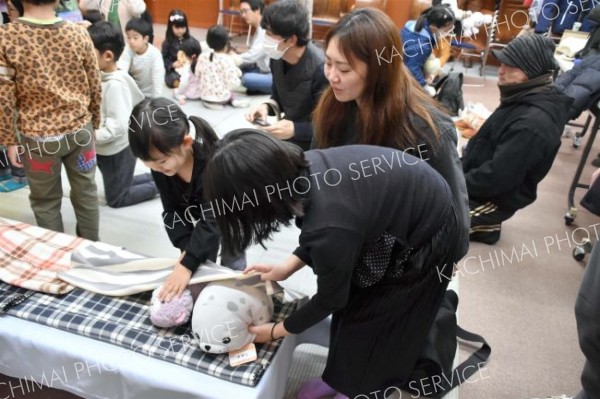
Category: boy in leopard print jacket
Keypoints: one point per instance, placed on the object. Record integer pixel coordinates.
(49, 75)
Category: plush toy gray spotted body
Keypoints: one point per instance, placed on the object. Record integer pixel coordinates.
(223, 312)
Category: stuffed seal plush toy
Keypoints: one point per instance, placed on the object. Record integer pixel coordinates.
(225, 309)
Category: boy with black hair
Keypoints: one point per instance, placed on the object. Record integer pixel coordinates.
(297, 68)
(119, 95)
(58, 108)
(142, 60)
(92, 16)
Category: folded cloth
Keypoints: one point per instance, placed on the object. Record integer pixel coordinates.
(31, 257)
(42, 260)
(110, 270)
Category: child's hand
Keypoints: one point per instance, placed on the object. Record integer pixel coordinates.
(237, 60)
(177, 64)
(175, 283)
(85, 23)
(13, 156)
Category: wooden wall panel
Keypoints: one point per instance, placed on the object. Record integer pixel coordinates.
(200, 13)
(399, 11)
(512, 18)
(204, 13)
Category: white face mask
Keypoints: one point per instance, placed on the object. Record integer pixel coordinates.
(271, 46)
(444, 33)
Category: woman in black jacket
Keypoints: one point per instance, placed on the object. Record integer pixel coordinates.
(379, 228)
(373, 99)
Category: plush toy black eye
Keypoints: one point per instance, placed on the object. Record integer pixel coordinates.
(226, 340)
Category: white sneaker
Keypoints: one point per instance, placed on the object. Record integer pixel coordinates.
(239, 89)
(556, 397)
(214, 106)
(240, 103)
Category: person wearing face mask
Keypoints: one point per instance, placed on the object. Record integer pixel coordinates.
(297, 68)
(420, 36)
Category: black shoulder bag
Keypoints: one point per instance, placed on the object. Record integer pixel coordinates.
(433, 375)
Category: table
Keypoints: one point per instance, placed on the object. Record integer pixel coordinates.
(95, 369)
(98, 370)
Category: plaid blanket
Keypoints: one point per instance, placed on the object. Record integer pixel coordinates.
(31, 257)
(124, 322)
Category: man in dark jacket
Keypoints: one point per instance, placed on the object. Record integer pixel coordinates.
(298, 76)
(516, 146)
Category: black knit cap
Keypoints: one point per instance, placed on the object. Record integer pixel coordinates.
(532, 53)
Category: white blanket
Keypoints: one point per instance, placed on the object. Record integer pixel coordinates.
(109, 270)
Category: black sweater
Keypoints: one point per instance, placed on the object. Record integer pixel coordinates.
(380, 190)
(183, 204)
(297, 88)
(515, 148)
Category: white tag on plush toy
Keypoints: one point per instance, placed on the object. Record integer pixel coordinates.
(243, 355)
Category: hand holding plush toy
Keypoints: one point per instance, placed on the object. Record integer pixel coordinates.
(222, 314)
(173, 313)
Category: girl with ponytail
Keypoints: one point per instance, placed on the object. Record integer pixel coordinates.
(421, 36)
(160, 134)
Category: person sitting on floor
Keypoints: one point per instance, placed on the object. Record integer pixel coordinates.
(141, 59)
(517, 144)
(255, 62)
(298, 76)
(217, 72)
(420, 37)
(119, 95)
(189, 83)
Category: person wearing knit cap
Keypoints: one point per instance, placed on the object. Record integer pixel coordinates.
(532, 54)
(516, 146)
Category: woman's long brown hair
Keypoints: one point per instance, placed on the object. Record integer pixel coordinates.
(390, 95)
